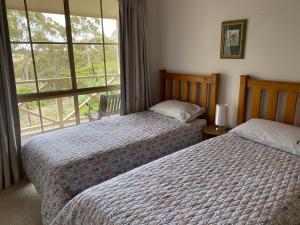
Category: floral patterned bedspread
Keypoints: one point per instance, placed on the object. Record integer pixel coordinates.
(225, 180)
(63, 163)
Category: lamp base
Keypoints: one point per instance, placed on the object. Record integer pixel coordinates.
(221, 128)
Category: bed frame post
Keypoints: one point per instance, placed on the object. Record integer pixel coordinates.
(242, 99)
(213, 97)
(162, 85)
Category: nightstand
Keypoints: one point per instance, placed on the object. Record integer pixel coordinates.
(212, 131)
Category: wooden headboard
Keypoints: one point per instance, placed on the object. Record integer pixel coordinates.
(272, 88)
(197, 89)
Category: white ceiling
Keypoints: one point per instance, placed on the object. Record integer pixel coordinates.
(89, 8)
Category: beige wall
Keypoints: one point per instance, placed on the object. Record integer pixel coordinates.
(189, 41)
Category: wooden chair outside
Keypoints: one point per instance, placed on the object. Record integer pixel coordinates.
(108, 105)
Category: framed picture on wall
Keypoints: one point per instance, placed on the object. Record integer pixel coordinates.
(233, 39)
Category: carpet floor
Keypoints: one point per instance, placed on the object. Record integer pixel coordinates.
(20, 205)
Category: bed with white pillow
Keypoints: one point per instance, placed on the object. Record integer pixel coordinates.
(63, 163)
(248, 176)
(232, 179)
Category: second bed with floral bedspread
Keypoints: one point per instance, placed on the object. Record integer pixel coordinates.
(225, 180)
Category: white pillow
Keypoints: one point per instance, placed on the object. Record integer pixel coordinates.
(274, 134)
(182, 111)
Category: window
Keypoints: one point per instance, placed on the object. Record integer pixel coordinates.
(65, 54)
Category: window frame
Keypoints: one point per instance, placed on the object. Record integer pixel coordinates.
(74, 91)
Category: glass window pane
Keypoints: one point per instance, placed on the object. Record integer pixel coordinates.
(17, 24)
(91, 104)
(89, 65)
(47, 23)
(29, 118)
(23, 68)
(114, 92)
(47, 27)
(53, 68)
(85, 21)
(112, 64)
(113, 79)
(47, 20)
(110, 27)
(58, 113)
(110, 20)
(85, 100)
(86, 29)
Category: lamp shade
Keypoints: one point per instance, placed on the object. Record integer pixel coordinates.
(221, 115)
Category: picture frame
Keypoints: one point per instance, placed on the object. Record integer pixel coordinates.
(233, 36)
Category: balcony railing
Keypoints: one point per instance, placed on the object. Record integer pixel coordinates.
(60, 117)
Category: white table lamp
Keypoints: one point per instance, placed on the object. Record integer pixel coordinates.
(221, 116)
